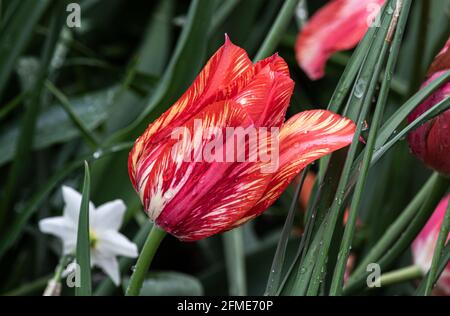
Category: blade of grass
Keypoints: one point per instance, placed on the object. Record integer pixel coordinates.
(369, 75)
(16, 34)
(401, 233)
(83, 250)
(11, 105)
(434, 111)
(338, 276)
(76, 120)
(190, 46)
(277, 30)
(438, 252)
(25, 141)
(278, 259)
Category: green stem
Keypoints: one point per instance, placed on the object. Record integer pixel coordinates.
(438, 252)
(401, 275)
(235, 259)
(277, 30)
(145, 259)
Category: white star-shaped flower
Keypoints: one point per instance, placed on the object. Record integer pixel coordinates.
(104, 222)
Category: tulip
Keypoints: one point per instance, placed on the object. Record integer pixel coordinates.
(431, 141)
(191, 198)
(338, 26)
(423, 246)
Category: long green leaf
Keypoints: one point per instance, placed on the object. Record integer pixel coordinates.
(83, 250)
(15, 35)
(29, 119)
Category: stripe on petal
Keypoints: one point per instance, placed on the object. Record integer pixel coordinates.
(225, 66)
(304, 138)
(337, 26)
(196, 197)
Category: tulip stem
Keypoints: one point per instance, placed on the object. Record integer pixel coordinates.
(145, 259)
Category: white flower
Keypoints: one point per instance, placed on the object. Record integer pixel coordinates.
(104, 223)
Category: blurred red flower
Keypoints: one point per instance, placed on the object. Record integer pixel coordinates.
(423, 246)
(431, 141)
(338, 26)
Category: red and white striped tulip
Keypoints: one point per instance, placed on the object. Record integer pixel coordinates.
(431, 141)
(196, 199)
(338, 26)
(423, 246)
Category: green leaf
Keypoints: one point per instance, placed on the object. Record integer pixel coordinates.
(169, 283)
(83, 252)
(402, 232)
(54, 125)
(15, 35)
(346, 243)
(25, 142)
(280, 254)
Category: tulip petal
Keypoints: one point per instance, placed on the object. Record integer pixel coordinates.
(441, 61)
(337, 26)
(266, 98)
(196, 198)
(304, 138)
(229, 63)
(430, 142)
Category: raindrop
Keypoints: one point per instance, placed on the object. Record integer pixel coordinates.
(359, 88)
(97, 154)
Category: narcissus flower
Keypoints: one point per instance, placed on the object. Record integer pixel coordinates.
(104, 222)
(423, 246)
(338, 26)
(192, 196)
(431, 141)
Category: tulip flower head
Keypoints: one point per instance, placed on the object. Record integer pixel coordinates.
(423, 246)
(339, 25)
(431, 141)
(104, 222)
(222, 154)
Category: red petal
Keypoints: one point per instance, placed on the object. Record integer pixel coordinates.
(442, 60)
(337, 26)
(229, 63)
(423, 246)
(304, 138)
(193, 200)
(266, 98)
(430, 142)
